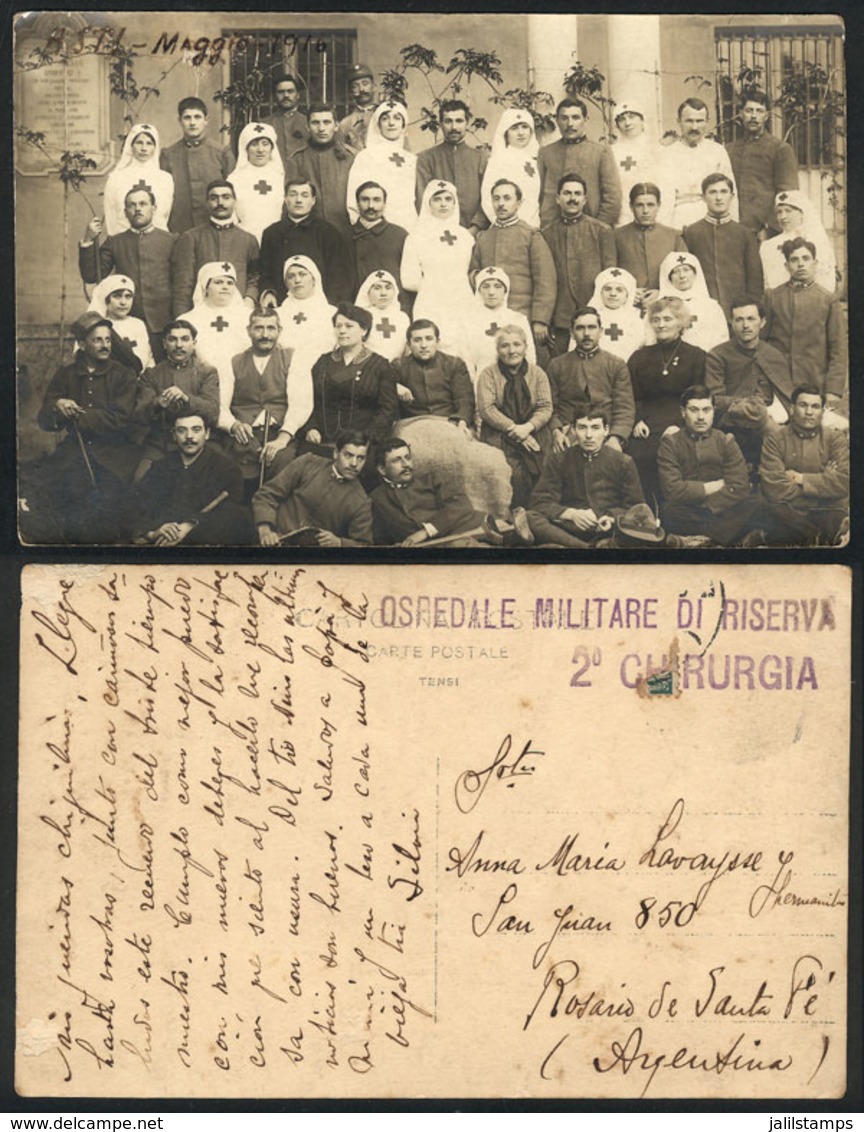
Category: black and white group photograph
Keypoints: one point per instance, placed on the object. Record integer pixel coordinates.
(370, 279)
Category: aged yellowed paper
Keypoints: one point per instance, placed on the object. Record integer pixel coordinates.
(323, 831)
(133, 214)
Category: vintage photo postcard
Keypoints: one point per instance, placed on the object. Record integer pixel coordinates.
(312, 831)
(358, 278)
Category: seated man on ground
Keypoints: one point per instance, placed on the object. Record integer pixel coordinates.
(585, 487)
(316, 501)
(410, 508)
(805, 476)
(703, 478)
(193, 495)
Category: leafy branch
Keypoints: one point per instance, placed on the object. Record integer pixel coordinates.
(244, 96)
(539, 103)
(465, 64)
(588, 84)
(74, 165)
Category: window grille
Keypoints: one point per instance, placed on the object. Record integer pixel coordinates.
(319, 58)
(808, 62)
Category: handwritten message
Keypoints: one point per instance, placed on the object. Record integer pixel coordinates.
(276, 842)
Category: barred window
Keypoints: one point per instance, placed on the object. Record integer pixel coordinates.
(803, 76)
(319, 58)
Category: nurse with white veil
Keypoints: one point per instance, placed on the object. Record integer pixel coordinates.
(388, 163)
(514, 158)
(306, 319)
(797, 216)
(435, 263)
(258, 179)
(138, 168)
(113, 298)
(379, 294)
(681, 277)
(490, 313)
(622, 326)
(220, 316)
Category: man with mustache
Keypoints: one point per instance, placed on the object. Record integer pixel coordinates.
(377, 244)
(194, 495)
(143, 253)
(593, 162)
(290, 124)
(410, 508)
(267, 403)
(361, 87)
(182, 383)
(74, 494)
(317, 500)
(455, 161)
(218, 239)
(764, 165)
(687, 162)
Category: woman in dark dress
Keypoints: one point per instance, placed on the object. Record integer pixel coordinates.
(354, 390)
(660, 374)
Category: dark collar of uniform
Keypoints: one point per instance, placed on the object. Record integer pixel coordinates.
(797, 285)
(568, 220)
(805, 433)
(574, 141)
(395, 486)
(588, 456)
(697, 436)
(143, 231)
(305, 220)
(361, 228)
(750, 351)
(644, 227)
(585, 354)
(95, 369)
(85, 365)
(193, 143)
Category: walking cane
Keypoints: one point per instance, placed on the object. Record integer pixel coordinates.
(81, 445)
(263, 447)
(214, 503)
